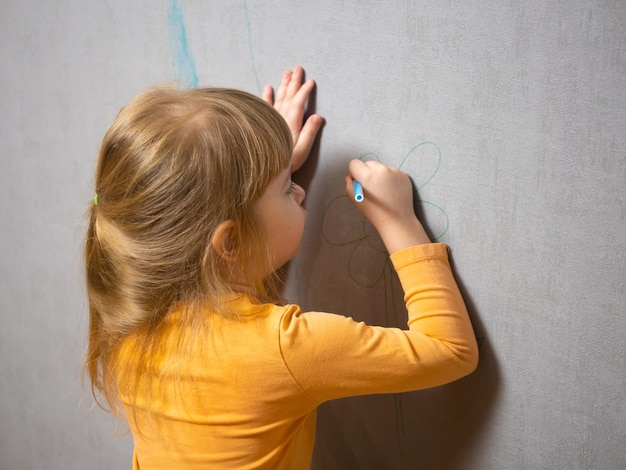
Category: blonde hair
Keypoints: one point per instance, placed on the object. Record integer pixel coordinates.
(174, 165)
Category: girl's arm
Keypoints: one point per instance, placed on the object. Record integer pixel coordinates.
(331, 356)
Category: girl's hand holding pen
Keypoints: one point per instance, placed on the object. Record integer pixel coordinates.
(387, 203)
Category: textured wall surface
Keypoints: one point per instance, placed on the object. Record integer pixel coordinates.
(509, 116)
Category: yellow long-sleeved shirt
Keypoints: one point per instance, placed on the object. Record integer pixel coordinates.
(247, 396)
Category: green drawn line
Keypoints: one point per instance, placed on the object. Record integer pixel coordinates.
(354, 278)
(406, 157)
(397, 400)
(437, 237)
(438, 160)
(371, 155)
(357, 241)
(256, 75)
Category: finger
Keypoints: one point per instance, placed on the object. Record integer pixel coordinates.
(294, 82)
(282, 89)
(298, 102)
(373, 164)
(349, 186)
(268, 94)
(306, 139)
(360, 170)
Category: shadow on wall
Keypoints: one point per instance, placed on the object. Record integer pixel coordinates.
(438, 429)
(429, 429)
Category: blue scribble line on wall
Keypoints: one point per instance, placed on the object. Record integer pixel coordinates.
(185, 65)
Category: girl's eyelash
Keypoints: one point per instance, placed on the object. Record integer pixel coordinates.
(292, 187)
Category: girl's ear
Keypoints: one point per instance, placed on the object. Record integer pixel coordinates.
(224, 241)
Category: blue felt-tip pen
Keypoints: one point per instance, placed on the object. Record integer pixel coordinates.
(358, 191)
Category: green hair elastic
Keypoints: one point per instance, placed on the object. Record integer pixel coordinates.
(95, 199)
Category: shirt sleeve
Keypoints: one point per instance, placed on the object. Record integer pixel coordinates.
(332, 356)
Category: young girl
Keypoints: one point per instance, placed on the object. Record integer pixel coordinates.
(194, 212)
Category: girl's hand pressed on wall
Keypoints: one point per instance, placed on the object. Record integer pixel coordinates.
(290, 101)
